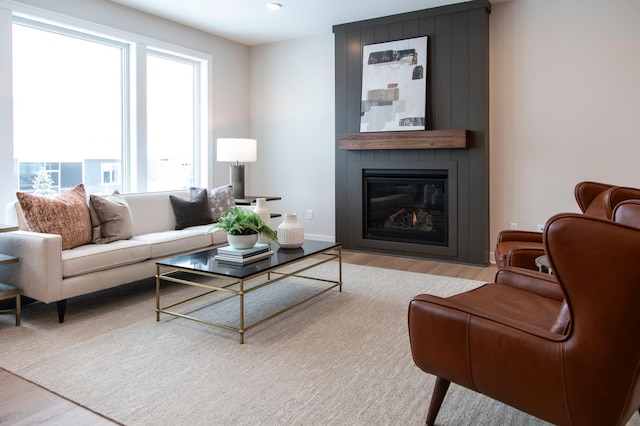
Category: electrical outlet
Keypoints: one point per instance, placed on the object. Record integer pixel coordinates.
(540, 228)
(309, 214)
(513, 226)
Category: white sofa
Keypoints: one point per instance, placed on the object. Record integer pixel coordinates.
(47, 273)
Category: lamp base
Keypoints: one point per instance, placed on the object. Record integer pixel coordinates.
(236, 178)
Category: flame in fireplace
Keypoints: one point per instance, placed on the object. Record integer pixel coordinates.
(415, 218)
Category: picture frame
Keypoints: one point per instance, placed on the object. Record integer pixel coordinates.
(394, 88)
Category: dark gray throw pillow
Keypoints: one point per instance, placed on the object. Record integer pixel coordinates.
(191, 212)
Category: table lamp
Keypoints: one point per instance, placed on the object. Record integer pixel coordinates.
(237, 150)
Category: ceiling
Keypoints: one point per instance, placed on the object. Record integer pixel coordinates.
(250, 22)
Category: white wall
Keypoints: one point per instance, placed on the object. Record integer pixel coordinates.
(292, 117)
(564, 90)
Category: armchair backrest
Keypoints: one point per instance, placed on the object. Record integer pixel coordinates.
(599, 199)
(590, 197)
(596, 264)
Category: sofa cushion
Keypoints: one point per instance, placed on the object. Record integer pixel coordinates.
(66, 215)
(220, 199)
(152, 211)
(97, 257)
(168, 243)
(110, 217)
(218, 236)
(193, 212)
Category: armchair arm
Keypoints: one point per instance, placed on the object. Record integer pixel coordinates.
(497, 356)
(524, 236)
(535, 282)
(429, 303)
(38, 272)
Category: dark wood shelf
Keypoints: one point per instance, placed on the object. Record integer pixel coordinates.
(422, 139)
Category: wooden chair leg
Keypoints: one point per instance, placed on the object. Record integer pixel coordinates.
(439, 392)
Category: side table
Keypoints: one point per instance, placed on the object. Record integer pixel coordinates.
(9, 291)
(249, 200)
(543, 265)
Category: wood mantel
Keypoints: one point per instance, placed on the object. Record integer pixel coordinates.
(421, 139)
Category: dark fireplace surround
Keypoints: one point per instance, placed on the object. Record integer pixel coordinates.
(457, 98)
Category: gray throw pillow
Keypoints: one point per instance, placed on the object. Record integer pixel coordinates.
(110, 217)
(220, 199)
(191, 212)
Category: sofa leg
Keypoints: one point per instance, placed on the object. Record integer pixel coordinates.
(439, 392)
(62, 307)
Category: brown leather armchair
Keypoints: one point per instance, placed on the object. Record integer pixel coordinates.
(568, 353)
(521, 248)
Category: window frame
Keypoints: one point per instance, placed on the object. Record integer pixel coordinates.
(135, 49)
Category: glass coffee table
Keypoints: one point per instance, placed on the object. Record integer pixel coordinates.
(202, 270)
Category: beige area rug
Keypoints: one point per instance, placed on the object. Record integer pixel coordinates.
(340, 359)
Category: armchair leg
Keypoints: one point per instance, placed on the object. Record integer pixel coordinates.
(439, 392)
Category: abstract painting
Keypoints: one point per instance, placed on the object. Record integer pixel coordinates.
(394, 88)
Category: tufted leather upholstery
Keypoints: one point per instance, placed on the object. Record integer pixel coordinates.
(562, 348)
(520, 248)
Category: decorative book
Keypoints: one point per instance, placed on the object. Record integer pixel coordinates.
(242, 253)
(243, 260)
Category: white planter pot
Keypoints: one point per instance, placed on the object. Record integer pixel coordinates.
(242, 241)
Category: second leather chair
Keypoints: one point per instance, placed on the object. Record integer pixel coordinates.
(521, 248)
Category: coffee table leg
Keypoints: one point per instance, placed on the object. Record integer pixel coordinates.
(241, 294)
(157, 293)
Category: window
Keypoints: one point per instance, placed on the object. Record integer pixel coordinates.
(68, 97)
(172, 112)
(72, 109)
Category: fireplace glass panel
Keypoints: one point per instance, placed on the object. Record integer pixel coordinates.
(406, 206)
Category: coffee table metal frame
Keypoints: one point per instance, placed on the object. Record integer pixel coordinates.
(237, 285)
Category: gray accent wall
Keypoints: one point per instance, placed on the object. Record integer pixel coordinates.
(457, 98)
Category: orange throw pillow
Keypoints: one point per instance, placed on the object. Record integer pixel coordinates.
(66, 215)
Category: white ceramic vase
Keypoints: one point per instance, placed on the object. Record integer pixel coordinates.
(265, 215)
(242, 241)
(290, 232)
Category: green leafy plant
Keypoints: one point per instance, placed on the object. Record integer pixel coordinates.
(239, 221)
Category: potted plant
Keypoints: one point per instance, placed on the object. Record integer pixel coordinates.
(243, 227)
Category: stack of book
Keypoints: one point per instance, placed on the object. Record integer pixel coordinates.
(230, 255)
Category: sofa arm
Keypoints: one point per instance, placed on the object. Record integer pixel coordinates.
(38, 273)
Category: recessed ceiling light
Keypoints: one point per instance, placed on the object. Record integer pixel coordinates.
(274, 6)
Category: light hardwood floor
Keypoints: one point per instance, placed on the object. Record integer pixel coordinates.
(25, 403)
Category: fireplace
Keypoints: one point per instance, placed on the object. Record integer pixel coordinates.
(384, 195)
(408, 206)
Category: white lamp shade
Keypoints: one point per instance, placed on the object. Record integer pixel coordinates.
(237, 150)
